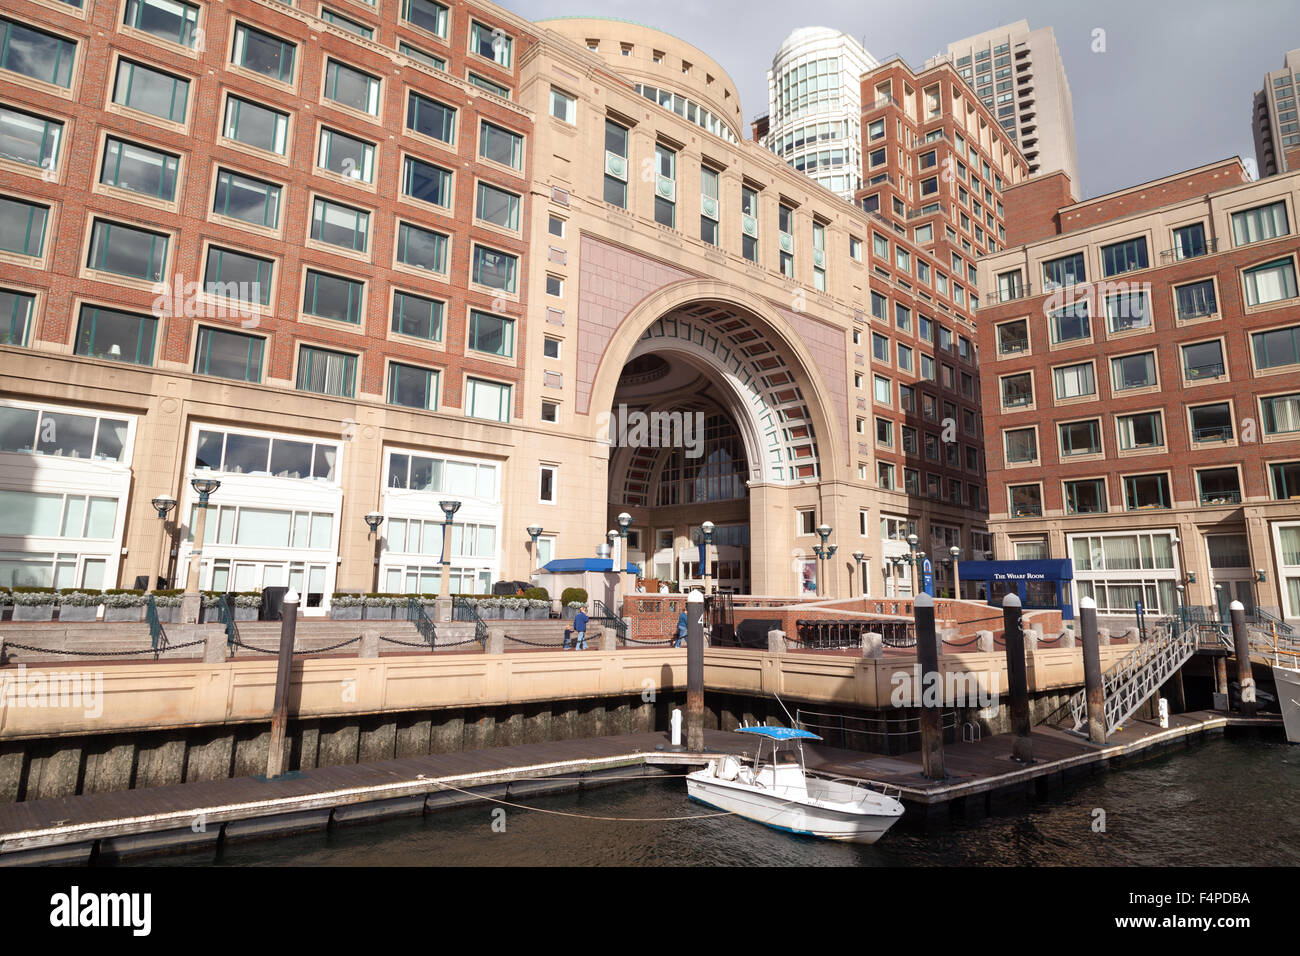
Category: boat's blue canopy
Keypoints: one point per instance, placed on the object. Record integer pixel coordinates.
(779, 733)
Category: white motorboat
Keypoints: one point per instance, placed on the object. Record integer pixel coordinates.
(1287, 680)
(785, 795)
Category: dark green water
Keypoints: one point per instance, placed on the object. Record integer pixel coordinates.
(1179, 809)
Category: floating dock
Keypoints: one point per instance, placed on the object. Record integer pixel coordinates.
(109, 827)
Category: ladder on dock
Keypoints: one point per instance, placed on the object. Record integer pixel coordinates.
(1128, 685)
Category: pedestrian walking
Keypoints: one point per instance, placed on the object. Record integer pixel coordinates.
(682, 627)
(580, 630)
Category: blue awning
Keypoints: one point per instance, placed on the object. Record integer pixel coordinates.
(779, 733)
(572, 565)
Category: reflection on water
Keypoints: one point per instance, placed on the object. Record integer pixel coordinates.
(1176, 809)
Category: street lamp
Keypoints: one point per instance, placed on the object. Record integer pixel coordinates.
(205, 487)
(706, 530)
(918, 559)
(163, 504)
(858, 558)
(373, 520)
(1218, 600)
(956, 575)
(534, 532)
(449, 509)
(624, 521)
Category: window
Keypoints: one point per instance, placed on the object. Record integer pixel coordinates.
(879, 306)
(500, 145)
(263, 53)
(819, 256)
(906, 397)
(428, 59)
(494, 269)
(35, 53)
(905, 357)
(1067, 270)
(550, 412)
(15, 316)
(1271, 282)
(1203, 360)
(665, 186)
(1218, 486)
(1195, 300)
(125, 251)
(1259, 224)
(115, 335)
(749, 223)
(554, 285)
(346, 23)
(564, 107)
(255, 125)
(491, 43)
(1128, 312)
(1035, 550)
(1281, 414)
(326, 372)
(421, 248)
(430, 118)
(1286, 480)
(1026, 501)
(487, 400)
(250, 200)
(332, 297)
(32, 431)
(149, 172)
(151, 91)
(426, 182)
(709, 212)
(551, 347)
(879, 347)
(1013, 337)
(1276, 348)
(785, 226)
(927, 367)
(883, 390)
(546, 484)
(555, 226)
(29, 139)
(615, 164)
(1133, 371)
(238, 275)
(1080, 438)
(493, 334)
(925, 328)
(1070, 323)
(1141, 431)
(885, 476)
(1018, 390)
(903, 317)
(346, 155)
(1075, 381)
(1211, 423)
(1146, 491)
(412, 386)
(228, 354)
(427, 15)
(855, 248)
(1022, 445)
(497, 206)
(1189, 241)
(340, 225)
(884, 432)
(348, 86)
(1124, 256)
(1086, 497)
(22, 226)
(417, 316)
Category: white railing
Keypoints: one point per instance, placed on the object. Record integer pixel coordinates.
(1127, 685)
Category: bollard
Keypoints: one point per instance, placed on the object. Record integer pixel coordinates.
(1092, 670)
(284, 667)
(695, 672)
(369, 644)
(215, 648)
(927, 658)
(1103, 636)
(608, 638)
(1221, 680)
(873, 644)
(1241, 651)
(776, 642)
(1132, 635)
(1032, 637)
(1067, 639)
(676, 724)
(1018, 678)
(1163, 711)
(984, 642)
(496, 641)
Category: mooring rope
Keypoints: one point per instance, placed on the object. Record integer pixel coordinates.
(586, 816)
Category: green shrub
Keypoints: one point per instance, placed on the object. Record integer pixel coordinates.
(537, 594)
(573, 596)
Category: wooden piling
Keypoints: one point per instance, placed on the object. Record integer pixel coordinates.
(1092, 670)
(1018, 676)
(927, 656)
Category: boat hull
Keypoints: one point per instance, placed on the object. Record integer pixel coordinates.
(1287, 680)
(792, 816)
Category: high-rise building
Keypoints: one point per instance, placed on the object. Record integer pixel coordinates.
(1142, 358)
(1274, 119)
(353, 267)
(1018, 74)
(814, 106)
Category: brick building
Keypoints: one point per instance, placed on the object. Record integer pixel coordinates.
(1141, 353)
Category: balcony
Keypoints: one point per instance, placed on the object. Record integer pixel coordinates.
(1201, 249)
(1197, 372)
(1212, 433)
(1220, 498)
(1009, 295)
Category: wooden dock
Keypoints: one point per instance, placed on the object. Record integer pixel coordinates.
(107, 827)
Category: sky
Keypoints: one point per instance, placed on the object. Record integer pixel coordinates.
(1172, 90)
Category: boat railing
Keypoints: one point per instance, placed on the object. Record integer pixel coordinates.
(886, 789)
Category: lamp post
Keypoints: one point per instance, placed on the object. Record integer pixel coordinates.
(449, 509)
(624, 521)
(1218, 600)
(706, 530)
(373, 520)
(912, 541)
(896, 563)
(190, 601)
(858, 558)
(918, 585)
(163, 504)
(535, 532)
(956, 575)
(823, 532)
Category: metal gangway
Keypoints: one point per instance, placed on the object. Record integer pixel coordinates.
(1141, 673)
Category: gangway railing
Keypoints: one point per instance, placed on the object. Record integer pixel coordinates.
(1127, 685)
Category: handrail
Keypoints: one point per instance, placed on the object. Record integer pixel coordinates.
(226, 614)
(1140, 673)
(415, 614)
(463, 609)
(157, 633)
(610, 619)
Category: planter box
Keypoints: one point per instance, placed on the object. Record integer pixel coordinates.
(377, 613)
(430, 610)
(570, 613)
(246, 613)
(513, 613)
(352, 613)
(538, 614)
(78, 613)
(169, 615)
(124, 613)
(33, 612)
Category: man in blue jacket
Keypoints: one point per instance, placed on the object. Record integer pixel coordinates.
(580, 630)
(683, 627)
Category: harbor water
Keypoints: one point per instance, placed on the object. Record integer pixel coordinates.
(1181, 808)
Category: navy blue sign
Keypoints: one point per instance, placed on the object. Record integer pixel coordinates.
(927, 577)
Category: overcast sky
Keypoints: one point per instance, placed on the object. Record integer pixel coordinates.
(1172, 90)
